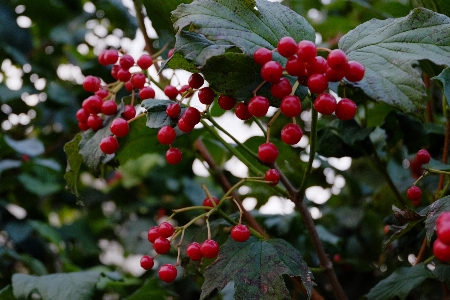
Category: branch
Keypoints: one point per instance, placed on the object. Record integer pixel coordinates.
(140, 18)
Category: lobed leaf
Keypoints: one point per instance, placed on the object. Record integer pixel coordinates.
(444, 78)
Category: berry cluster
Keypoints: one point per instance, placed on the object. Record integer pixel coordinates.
(441, 246)
(414, 193)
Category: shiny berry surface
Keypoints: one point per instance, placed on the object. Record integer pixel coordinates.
(240, 233)
(226, 102)
(423, 156)
(147, 262)
(174, 156)
(109, 108)
(138, 80)
(346, 109)
(123, 75)
(119, 127)
(195, 81)
(295, 67)
(171, 91)
(206, 95)
(291, 134)
(242, 112)
(317, 66)
(441, 251)
(287, 46)
(93, 104)
(126, 61)
(109, 145)
(108, 57)
(273, 176)
(183, 126)
(317, 83)
(337, 59)
(207, 201)
(153, 234)
(209, 248)
(144, 61)
(146, 93)
(267, 152)
(91, 83)
(173, 110)
(281, 88)
(167, 273)
(306, 51)
(325, 104)
(194, 252)
(354, 71)
(291, 106)
(414, 193)
(95, 122)
(161, 245)
(82, 115)
(258, 106)
(272, 71)
(166, 135)
(165, 229)
(443, 233)
(262, 55)
(129, 112)
(191, 116)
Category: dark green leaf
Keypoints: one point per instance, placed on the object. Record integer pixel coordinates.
(444, 78)
(433, 211)
(156, 113)
(119, 16)
(74, 161)
(47, 231)
(442, 272)
(400, 283)
(151, 289)
(440, 6)
(387, 49)
(77, 285)
(7, 293)
(6, 164)
(438, 165)
(31, 146)
(256, 267)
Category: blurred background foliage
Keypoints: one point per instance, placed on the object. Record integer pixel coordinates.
(46, 49)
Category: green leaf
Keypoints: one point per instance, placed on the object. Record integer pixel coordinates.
(156, 113)
(6, 164)
(151, 289)
(31, 146)
(47, 231)
(444, 78)
(442, 272)
(387, 49)
(432, 212)
(438, 165)
(7, 293)
(74, 286)
(256, 267)
(400, 283)
(440, 6)
(74, 161)
(134, 171)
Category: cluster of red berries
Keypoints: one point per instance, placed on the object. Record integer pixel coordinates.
(414, 193)
(441, 246)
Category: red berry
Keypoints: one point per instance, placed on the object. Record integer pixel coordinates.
(191, 116)
(386, 229)
(295, 67)
(281, 88)
(354, 71)
(95, 122)
(161, 245)
(287, 46)
(109, 145)
(119, 127)
(317, 83)
(183, 126)
(267, 152)
(115, 69)
(167, 273)
(443, 233)
(170, 53)
(194, 252)
(337, 258)
(423, 156)
(291, 134)
(262, 55)
(83, 126)
(334, 75)
(325, 104)
(226, 102)
(166, 229)
(416, 168)
(126, 61)
(337, 59)
(91, 83)
(242, 112)
(317, 66)
(82, 115)
(195, 81)
(206, 95)
(346, 109)
(441, 251)
(129, 86)
(291, 106)
(306, 51)
(273, 176)
(258, 106)
(443, 219)
(174, 156)
(129, 112)
(108, 57)
(146, 93)
(123, 75)
(145, 61)
(147, 262)
(153, 234)
(102, 93)
(209, 248)
(186, 88)
(173, 110)
(240, 233)
(171, 91)
(93, 104)
(207, 201)
(166, 135)
(414, 193)
(272, 71)
(138, 80)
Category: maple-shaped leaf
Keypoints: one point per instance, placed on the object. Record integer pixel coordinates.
(256, 268)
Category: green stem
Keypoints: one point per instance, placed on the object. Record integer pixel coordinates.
(429, 259)
(438, 171)
(156, 83)
(176, 211)
(231, 221)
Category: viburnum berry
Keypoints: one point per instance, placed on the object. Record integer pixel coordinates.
(207, 201)
(441, 250)
(166, 229)
(258, 106)
(193, 251)
(126, 61)
(171, 91)
(138, 80)
(206, 95)
(291, 106)
(337, 258)
(306, 51)
(129, 112)
(242, 112)
(174, 156)
(423, 156)
(108, 57)
(287, 46)
(346, 109)
(334, 75)
(262, 55)
(146, 93)
(114, 70)
(83, 126)
(183, 126)
(186, 88)
(443, 233)
(272, 71)
(102, 93)
(173, 110)
(291, 134)
(273, 176)
(209, 248)
(145, 61)
(226, 102)
(123, 75)
(416, 168)
(295, 67)
(267, 152)
(240, 233)
(91, 83)
(317, 66)
(281, 88)
(325, 104)
(147, 262)
(317, 83)
(161, 245)
(166, 135)
(153, 234)
(167, 273)
(93, 104)
(95, 122)
(192, 116)
(354, 71)
(195, 81)
(337, 59)
(444, 218)
(129, 86)
(82, 115)
(119, 127)
(414, 193)
(109, 145)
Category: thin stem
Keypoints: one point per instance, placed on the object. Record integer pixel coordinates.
(137, 117)
(421, 252)
(258, 87)
(323, 49)
(438, 172)
(231, 221)
(269, 124)
(209, 228)
(176, 211)
(240, 210)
